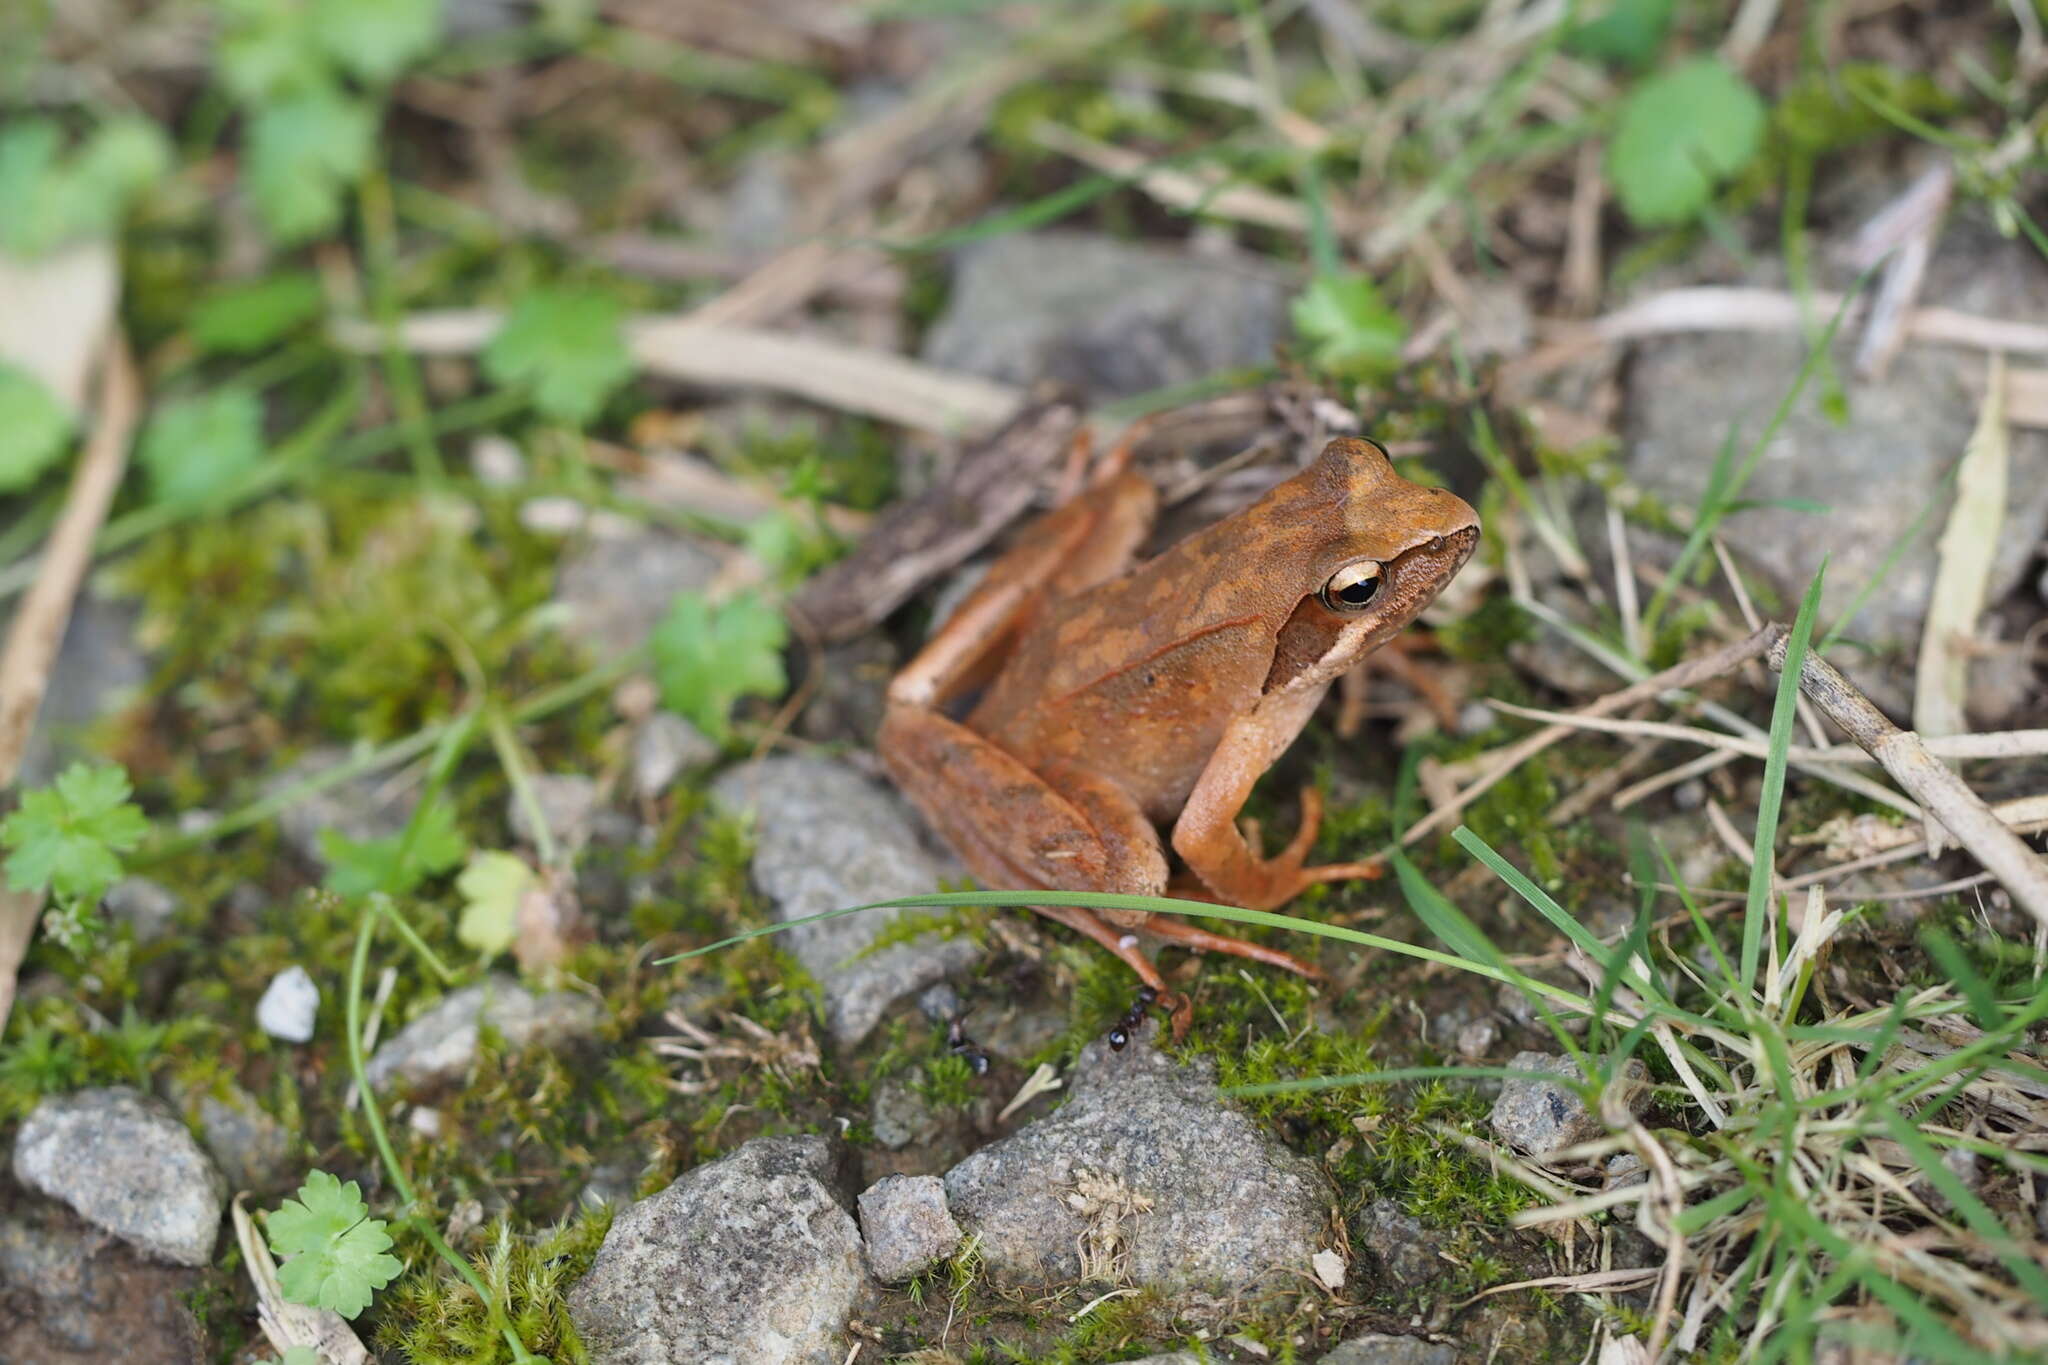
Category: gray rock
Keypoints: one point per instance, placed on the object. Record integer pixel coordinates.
(665, 746)
(906, 1225)
(760, 204)
(438, 1046)
(145, 906)
(613, 591)
(290, 1006)
(71, 1294)
(125, 1163)
(900, 1116)
(1378, 1348)
(1405, 1249)
(567, 801)
(1103, 315)
(750, 1260)
(98, 667)
(1875, 473)
(252, 1149)
(1540, 1117)
(825, 839)
(361, 809)
(1168, 1184)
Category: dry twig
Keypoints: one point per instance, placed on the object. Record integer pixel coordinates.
(39, 624)
(1927, 778)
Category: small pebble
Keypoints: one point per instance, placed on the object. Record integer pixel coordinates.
(1476, 718)
(496, 461)
(664, 746)
(424, 1121)
(1690, 794)
(290, 1006)
(906, 1225)
(1477, 1038)
(939, 1002)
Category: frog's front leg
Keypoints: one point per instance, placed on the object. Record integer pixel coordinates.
(1207, 835)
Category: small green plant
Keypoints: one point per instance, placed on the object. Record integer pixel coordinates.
(566, 347)
(1349, 328)
(53, 198)
(707, 657)
(194, 447)
(67, 839)
(492, 886)
(1681, 132)
(332, 1253)
(396, 863)
(310, 77)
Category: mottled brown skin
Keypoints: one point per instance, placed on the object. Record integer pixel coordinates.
(1118, 698)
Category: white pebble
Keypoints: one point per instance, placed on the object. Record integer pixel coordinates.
(289, 1006)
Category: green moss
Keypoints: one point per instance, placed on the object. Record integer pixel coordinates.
(436, 1318)
(352, 614)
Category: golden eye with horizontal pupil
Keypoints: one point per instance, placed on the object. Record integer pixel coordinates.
(1352, 587)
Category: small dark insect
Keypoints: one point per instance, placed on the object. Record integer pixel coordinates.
(1134, 1018)
(960, 1045)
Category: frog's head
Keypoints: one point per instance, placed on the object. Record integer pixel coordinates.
(1376, 550)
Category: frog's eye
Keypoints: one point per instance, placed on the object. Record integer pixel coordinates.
(1352, 587)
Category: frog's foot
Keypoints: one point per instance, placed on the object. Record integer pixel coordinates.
(1125, 945)
(1266, 883)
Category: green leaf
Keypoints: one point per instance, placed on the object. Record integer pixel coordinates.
(35, 429)
(1680, 133)
(67, 838)
(568, 346)
(267, 50)
(358, 868)
(249, 317)
(34, 217)
(195, 447)
(374, 40)
(1629, 33)
(333, 1255)
(302, 153)
(300, 1355)
(706, 658)
(50, 198)
(1348, 326)
(122, 158)
(491, 888)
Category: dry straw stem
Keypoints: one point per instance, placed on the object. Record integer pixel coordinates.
(1945, 796)
(1998, 744)
(1689, 673)
(39, 624)
(849, 378)
(1962, 575)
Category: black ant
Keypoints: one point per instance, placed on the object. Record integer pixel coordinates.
(960, 1045)
(1134, 1018)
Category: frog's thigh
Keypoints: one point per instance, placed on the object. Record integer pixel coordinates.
(1134, 857)
(1013, 828)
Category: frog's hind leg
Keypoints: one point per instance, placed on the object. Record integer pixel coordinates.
(1017, 830)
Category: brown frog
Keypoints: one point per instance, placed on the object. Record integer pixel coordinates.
(1118, 697)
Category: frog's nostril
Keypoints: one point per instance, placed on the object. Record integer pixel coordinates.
(1436, 544)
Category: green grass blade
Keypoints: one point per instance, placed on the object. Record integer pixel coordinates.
(1757, 914)
(1159, 905)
